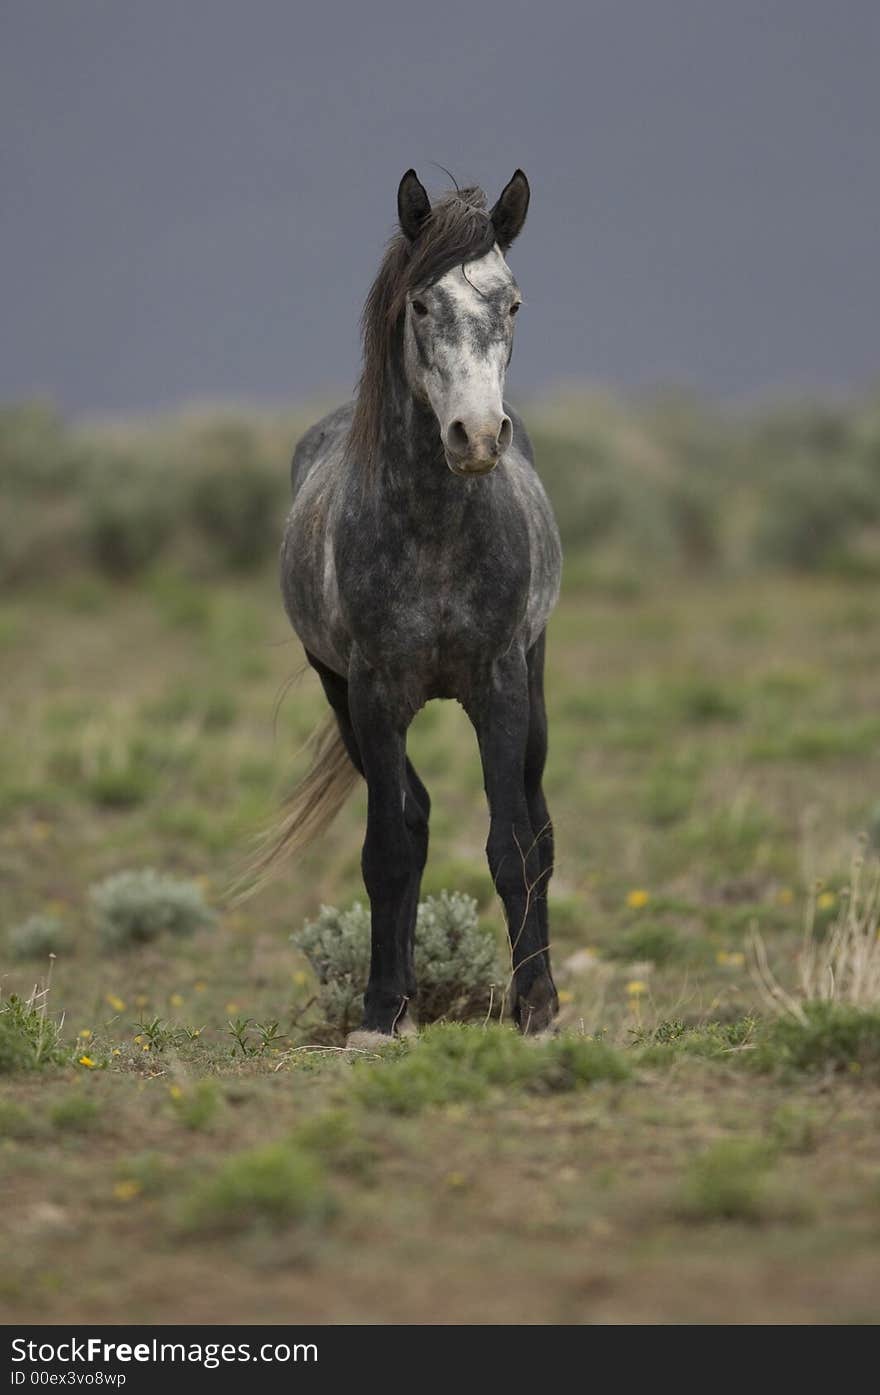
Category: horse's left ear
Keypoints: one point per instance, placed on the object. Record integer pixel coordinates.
(413, 205)
(510, 211)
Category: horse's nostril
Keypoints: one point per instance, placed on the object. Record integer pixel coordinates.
(505, 435)
(457, 436)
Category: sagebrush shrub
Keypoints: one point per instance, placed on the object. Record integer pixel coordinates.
(455, 959)
(812, 512)
(128, 517)
(36, 937)
(137, 906)
(234, 497)
(36, 450)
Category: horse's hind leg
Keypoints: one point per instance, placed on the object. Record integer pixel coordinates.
(336, 692)
(536, 757)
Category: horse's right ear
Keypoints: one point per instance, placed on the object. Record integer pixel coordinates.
(413, 205)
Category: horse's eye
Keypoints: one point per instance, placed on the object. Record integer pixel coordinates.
(420, 307)
(514, 309)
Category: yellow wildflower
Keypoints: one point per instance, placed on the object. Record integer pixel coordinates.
(87, 1062)
(565, 996)
(635, 988)
(176, 1000)
(126, 1190)
(113, 1000)
(637, 899)
(200, 987)
(732, 958)
(233, 1007)
(826, 900)
(85, 1033)
(175, 1092)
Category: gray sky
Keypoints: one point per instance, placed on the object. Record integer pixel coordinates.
(195, 194)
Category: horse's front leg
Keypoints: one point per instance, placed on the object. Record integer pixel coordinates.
(500, 712)
(389, 857)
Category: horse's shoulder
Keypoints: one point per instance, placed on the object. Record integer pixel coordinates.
(319, 438)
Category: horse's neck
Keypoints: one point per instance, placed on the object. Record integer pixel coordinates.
(411, 460)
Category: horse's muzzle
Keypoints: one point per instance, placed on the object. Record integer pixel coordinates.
(474, 450)
(471, 469)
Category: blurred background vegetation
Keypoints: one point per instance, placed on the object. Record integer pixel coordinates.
(669, 484)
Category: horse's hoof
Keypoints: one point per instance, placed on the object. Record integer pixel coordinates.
(534, 1013)
(543, 1033)
(364, 1040)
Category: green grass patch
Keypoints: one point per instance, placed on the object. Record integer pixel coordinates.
(451, 1063)
(276, 1185)
(196, 1105)
(654, 940)
(29, 1040)
(672, 1039)
(75, 1113)
(17, 1122)
(833, 1036)
(820, 741)
(728, 1182)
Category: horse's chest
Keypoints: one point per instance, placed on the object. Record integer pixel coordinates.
(441, 605)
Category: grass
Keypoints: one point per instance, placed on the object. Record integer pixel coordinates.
(75, 1113)
(456, 1063)
(830, 1036)
(728, 1182)
(681, 1153)
(29, 1039)
(274, 1185)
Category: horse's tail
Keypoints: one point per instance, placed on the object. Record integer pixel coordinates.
(309, 808)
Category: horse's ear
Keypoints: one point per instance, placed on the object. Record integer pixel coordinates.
(510, 211)
(413, 205)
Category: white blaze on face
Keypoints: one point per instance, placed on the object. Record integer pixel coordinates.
(457, 350)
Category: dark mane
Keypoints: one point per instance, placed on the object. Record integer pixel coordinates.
(458, 230)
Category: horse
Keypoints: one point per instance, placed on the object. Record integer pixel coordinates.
(421, 560)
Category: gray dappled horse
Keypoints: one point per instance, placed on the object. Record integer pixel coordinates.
(421, 560)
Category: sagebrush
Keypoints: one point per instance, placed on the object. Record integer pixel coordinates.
(135, 907)
(456, 960)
